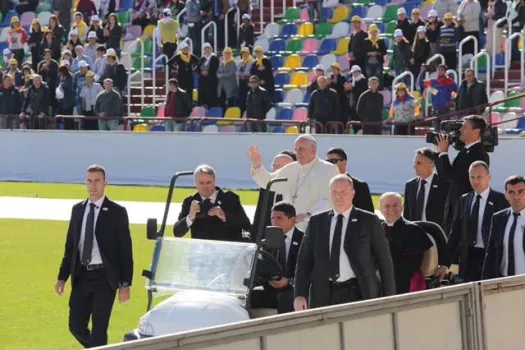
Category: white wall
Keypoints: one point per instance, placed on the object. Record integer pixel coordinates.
(151, 158)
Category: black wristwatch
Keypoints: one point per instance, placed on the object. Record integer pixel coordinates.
(125, 284)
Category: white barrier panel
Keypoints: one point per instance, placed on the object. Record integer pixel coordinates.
(385, 162)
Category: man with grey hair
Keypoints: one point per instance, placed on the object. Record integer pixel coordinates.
(407, 241)
(211, 213)
(339, 253)
(324, 103)
(307, 178)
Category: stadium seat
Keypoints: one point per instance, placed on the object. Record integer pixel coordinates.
(292, 14)
(327, 14)
(304, 17)
(300, 114)
(293, 97)
(327, 46)
(148, 31)
(3, 36)
(141, 128)
(359, 10)
(123, 17)
(148, 112)
(231, 113)
(210, 128)
(158, 128)
(271, 114)
(198, 111)
(374, 12)
(509, 120)
(270, 31)
(135, 31)
(310, 61)
(277, 129)
(278, 96)
(340, 30)
(387, 98)
(390, 28)
(322, 30)
(514, 103)
(496, 96)
(292, 62)
(277, 46)
(328, 60)
(288, 30)
(305, 30)
(340, 14)
(391, 13)
(294, 46)
(298, 80)
(342, 47)
(311, 45)
(344, 62)
(160, 112)
(276, 61)
(285, 114)
(292, 130)
(26, 19)
(126, 5)
(282, 79)
(7, 18)
(494, 118)
(521, 124)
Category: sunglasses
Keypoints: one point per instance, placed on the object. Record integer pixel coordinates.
(334, 161)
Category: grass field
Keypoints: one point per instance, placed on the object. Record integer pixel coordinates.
(32, 316)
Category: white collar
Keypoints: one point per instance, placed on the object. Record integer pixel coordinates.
(392, 224)
(522, 212)
(484, 195)
(428, 179)
(212, 198)
(346, 213)
(289, 234)
(472, 144)
(99, 202)
(308, 165)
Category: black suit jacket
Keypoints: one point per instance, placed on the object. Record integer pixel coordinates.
(365, 245)
(362, 198)
(213, 227)
(113, 238)
(457, 174)
(437, 197)
(495, 251)
(459, 240)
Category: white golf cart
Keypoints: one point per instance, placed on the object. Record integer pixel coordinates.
(207, 283)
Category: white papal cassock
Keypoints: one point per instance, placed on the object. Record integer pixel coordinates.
(307, 187)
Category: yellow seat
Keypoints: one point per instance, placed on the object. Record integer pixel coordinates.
(148, 31)
(342, 47)
(305, 29)
(231, 113)
(299, 79)
(340, 14)
(141, 128)
(292, 130)
(293, 62)
(195, 95)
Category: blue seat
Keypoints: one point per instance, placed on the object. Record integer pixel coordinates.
(277, 45)
(215, 112)
(328, 12)
(7, 18)
(327, 46)
(159, 127)
(306, 100)
(288, 30)
(410, 6)
(310, 62)
(278, 129)
(195, 82)
(126, 4)
(192, 127)
(278, 96)
(276, 61)
(521, 124)
(380, 26)
(383, 3)
(282, 79)
(359, 10)
(285, 114)
(3, 45)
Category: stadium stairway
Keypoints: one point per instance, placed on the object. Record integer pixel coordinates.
(267, 13)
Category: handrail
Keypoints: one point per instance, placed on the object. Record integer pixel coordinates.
(130, 77)
(401, 76)
(226, 20)
(455, 74)
(476, 71)
(460, 55)
(261, 15)
(203, 34)
(179, 15)
(495, 41)
(154, 76)
(427, 75)
(190, 43)
(508, 51)
(272, 10)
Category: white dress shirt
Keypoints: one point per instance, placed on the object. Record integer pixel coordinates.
(95, 253)
(212, 199)
(427, 191)
(307, 187)
(345, 270)
(288, 243)
(519, 255)
(482, 205)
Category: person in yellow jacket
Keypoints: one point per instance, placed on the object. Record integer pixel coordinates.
(166, 33)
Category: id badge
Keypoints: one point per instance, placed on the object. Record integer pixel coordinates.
(191, 25)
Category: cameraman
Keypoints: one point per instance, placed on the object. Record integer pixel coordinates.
(457, 173)
(211, 213)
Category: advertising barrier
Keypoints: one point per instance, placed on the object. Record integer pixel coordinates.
(385, 162)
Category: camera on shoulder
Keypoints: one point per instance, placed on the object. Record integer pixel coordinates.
(450, 128)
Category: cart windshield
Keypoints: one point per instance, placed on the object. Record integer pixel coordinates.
(193, 264)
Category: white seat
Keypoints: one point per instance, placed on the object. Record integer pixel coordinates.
(3, 34)
(262, 42)
(210, 128)
(130, 46)
(330, 3)
(272, 29)
(43, 18)
(496, 96)
(271, 114)
(294, 96)
(340, 30)
(374, 12)
(328, 60)
(509, 124)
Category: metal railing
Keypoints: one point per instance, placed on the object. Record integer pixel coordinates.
(427, 76)
(189, 42)
(400, 77)
(203, 35)
(495, 41)
(508, 51)
(179, 15)
(474, 65)
(460, 50)
(226, 23)
(154, 76)
(261, 15)
(141, 85)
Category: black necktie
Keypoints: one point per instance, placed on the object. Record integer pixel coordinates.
(420, 200)
(473, 222)
(336, 248)
(282, 256)
(87, 249)
(511, 268)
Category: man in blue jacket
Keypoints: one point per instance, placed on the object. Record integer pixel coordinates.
(443, 91)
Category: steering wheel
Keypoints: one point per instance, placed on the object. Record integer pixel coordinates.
(268, 268)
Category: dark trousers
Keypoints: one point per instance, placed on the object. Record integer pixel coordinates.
(344, 292)
(169, 49)
(89, 124)
(91, 297)
(476, 256)
(69, 123)
(280, 299)
(258, 127)
(372, 129)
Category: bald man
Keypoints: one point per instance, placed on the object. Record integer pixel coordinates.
(407, 240)
(279, 161)
(324, 103)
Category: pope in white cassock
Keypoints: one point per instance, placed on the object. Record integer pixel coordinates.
(307, 187)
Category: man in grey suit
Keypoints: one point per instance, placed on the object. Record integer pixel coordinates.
(337, 259)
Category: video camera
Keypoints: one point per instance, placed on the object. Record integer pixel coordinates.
(451, 129)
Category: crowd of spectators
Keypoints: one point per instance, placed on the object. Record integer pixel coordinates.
(71, 57)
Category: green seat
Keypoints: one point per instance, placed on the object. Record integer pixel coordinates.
(294, 46)
(322, 29)
(148, 112)
(390, 14)
(514, 103)
(292, 14)
(482, 62)
(364, 2)
(391, 27)
(500, 110)
(123, 17)
(137, 65)
(1, 17)
(148, 47)
(386, 114)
